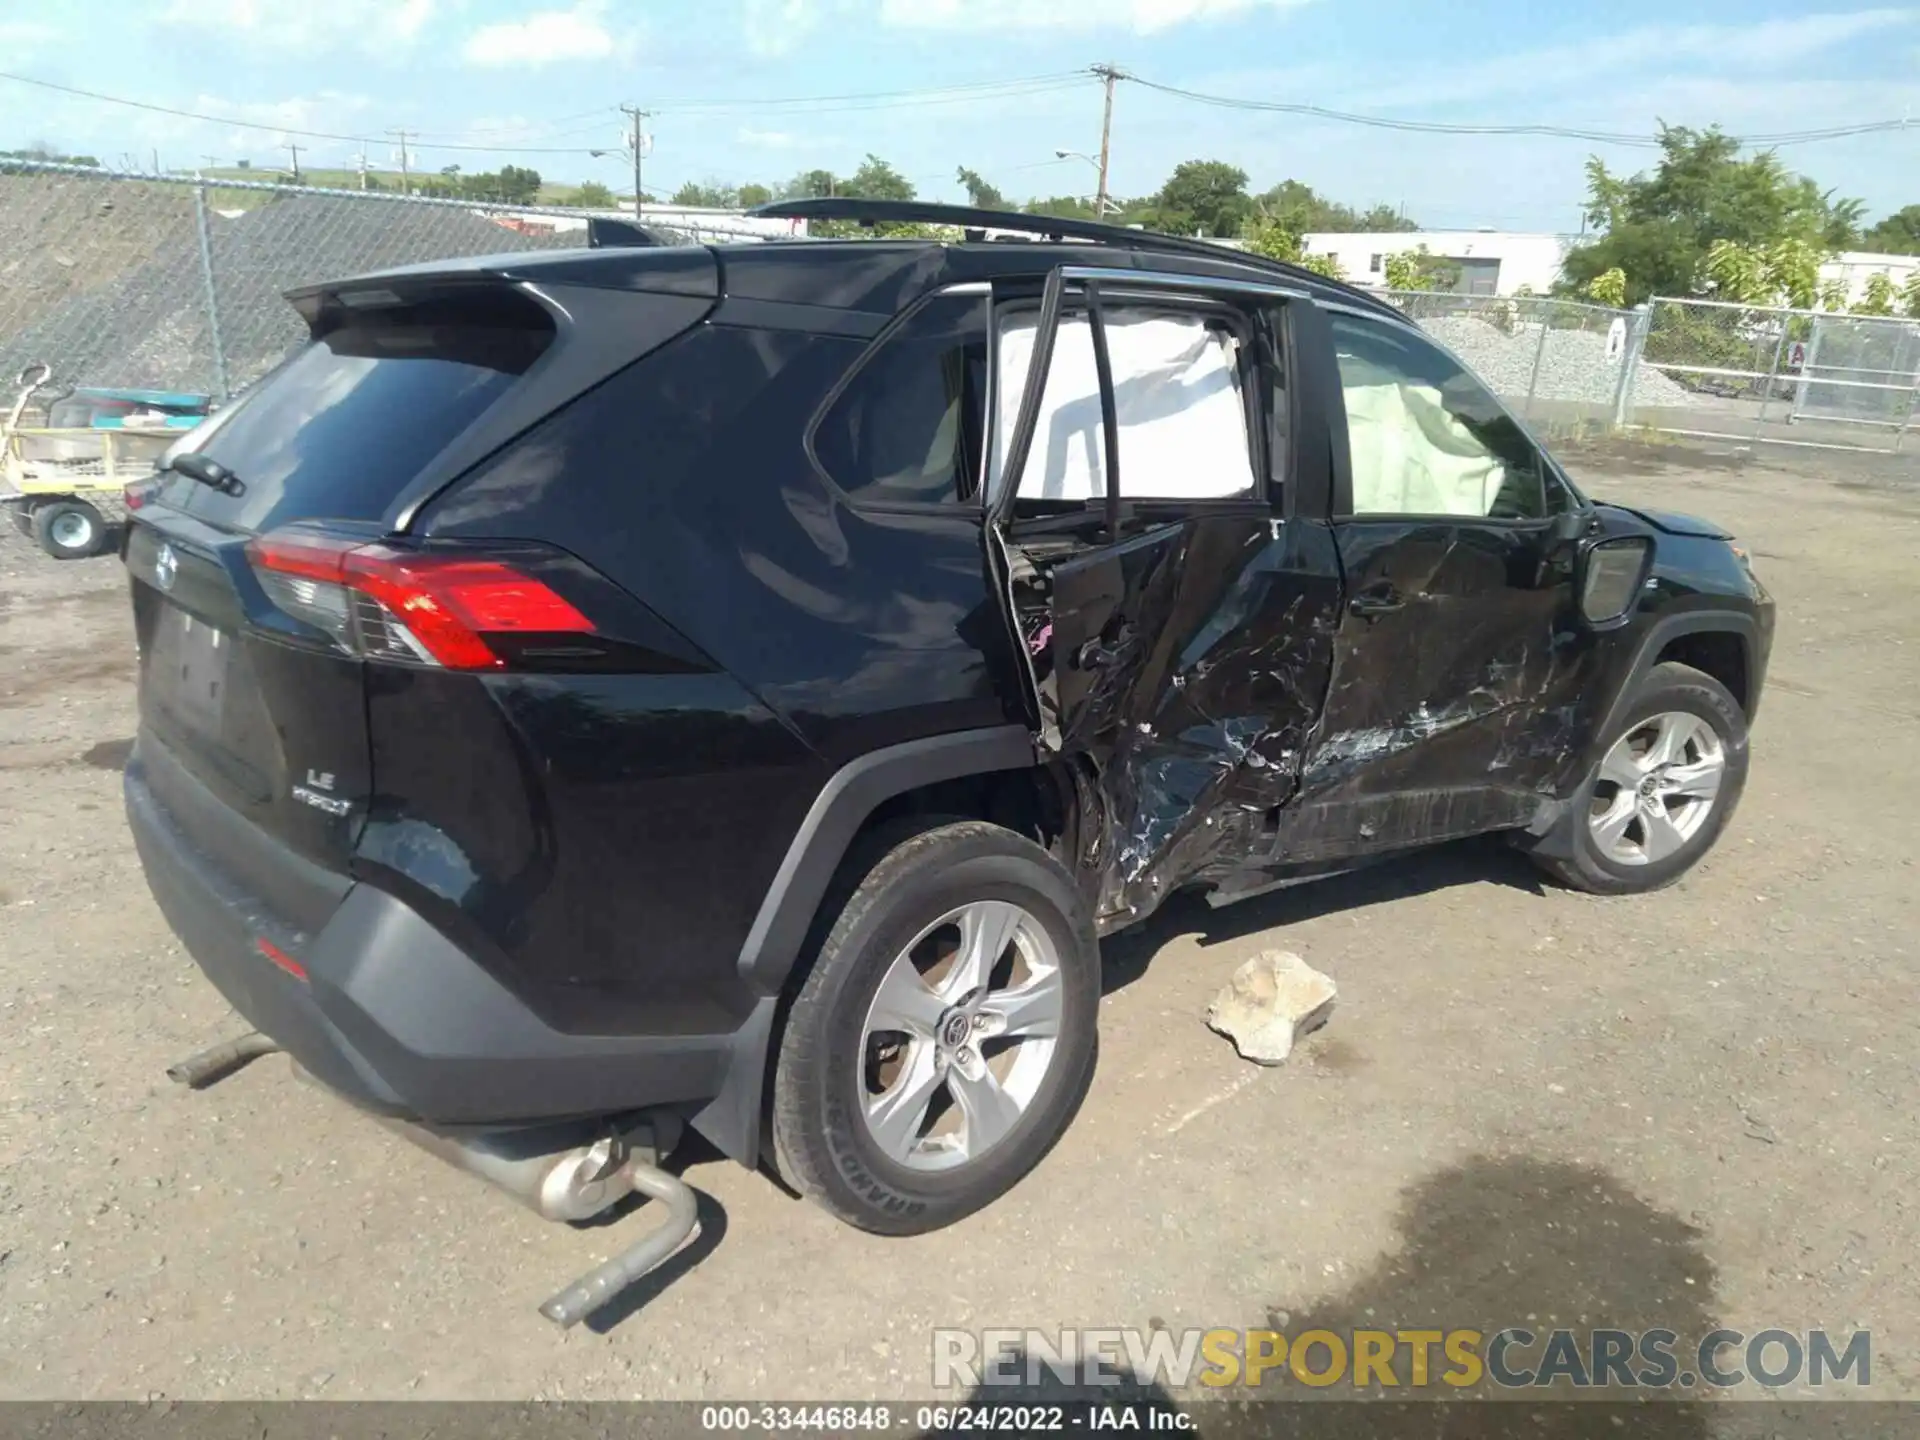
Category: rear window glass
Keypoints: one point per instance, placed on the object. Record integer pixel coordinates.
(907, 427)
(340, 429)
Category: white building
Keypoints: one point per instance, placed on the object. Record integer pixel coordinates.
(1853, 268)
(1491, 262)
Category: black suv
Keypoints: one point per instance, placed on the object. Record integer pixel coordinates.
(742, 684)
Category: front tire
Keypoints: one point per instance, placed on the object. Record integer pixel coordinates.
(1666, 785)
(944, 1037)
(69, 529)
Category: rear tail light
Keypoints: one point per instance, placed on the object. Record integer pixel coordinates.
(421, 607)
(139, 492)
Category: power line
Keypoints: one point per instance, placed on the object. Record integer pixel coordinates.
(1438, 127)
(275, 129)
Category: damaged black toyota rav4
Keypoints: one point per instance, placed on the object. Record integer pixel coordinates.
(585, 693)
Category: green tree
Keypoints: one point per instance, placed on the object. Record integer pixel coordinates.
(592, 196)
(518, 185)
(1420, 269)
(1207, 197)
(752, 195)
(1303, 210)
(1879, 296)
(1896, 234)
(710, 196)
(50, 155)
(877, 180)
(813, 185)
(1833, 295)
(1659, 227)
(1066, 207)
(1609, 288)
(1910, 295)
(1267, 236)
(981, 194)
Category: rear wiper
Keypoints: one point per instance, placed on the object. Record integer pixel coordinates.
(207, 472)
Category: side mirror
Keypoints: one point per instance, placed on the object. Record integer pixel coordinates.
(1607, 578)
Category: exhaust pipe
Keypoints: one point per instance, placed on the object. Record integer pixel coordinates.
(594, 1289)
(196, 1072)
(558, 1177)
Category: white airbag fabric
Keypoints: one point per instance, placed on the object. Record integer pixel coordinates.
(1412, 457)
(1176, 382)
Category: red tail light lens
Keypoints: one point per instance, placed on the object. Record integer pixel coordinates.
(433, 609)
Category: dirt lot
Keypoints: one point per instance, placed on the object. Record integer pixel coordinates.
(1689, 1109)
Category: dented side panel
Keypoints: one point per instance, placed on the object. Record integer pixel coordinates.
(1459, 711)
(1189, 667)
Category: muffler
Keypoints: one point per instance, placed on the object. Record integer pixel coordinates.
(569, 1173)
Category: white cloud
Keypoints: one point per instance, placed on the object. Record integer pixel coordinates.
(776, 27)
(21, 38)
(307, 28)
(1642, 55)
(767, 139)
(1140, 16)
(543, 37)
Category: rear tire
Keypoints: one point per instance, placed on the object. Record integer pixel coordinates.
(1666, 785)
(904, 1127)
(69, 529)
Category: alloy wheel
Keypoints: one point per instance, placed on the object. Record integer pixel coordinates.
(1657, 786)
(960, 1035)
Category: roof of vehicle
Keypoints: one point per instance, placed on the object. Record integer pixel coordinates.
(881, 274)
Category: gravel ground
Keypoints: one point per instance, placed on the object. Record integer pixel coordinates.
(1573, 366)
(1689, 1109)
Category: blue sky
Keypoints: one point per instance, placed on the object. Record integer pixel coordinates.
(538, 74)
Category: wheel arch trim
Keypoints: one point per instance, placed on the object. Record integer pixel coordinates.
(853, 793)
(1661, 633)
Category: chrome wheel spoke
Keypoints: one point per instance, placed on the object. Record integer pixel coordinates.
(986, 930)
(990, 1111)
(1609, 829)
(905, 1002)
(1029, 1011)
(1663, 837)
(895, 1117)
(1622, 768)
(1698, 781)
(1670, 739)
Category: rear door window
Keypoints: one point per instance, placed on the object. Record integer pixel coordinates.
(339, 430)
(1179, 389)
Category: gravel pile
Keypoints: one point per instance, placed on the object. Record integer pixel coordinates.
(1574, 365)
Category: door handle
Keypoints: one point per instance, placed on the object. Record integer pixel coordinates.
(1377, 600)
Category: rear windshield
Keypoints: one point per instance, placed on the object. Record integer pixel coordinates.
(338, 431)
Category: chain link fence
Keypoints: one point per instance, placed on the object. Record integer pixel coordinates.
(123, 281)
(1563, 365)
(1773, 375)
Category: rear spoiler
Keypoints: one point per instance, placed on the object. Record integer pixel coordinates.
(604, 232)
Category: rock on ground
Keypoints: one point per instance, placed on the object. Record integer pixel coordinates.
(1271, 1001)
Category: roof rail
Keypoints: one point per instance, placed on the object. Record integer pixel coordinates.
(1049, 227)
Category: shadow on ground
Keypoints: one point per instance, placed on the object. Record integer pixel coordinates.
(1489, 1244)
(1484, 861)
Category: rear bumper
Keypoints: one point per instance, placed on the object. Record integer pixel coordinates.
(395, 1017)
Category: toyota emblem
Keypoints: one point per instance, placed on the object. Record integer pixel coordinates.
(166, 565)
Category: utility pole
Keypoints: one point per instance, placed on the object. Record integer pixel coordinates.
(639, 144)
(294, 148)
(406, 184)
(1109, 74)
(363, 167)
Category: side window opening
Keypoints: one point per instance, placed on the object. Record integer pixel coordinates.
(1182, 396)
(907, 428)
(1427, 438)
